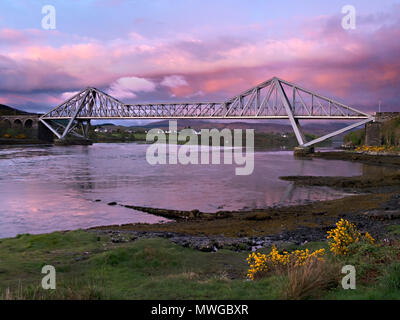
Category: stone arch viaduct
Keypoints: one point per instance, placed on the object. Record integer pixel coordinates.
(30, 121)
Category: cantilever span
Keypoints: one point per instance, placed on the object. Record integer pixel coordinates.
(272, 99)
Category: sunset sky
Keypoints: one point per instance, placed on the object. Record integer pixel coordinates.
(201, 50)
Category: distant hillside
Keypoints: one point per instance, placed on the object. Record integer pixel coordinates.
(8, 111)
(199, 124)
(268, 127)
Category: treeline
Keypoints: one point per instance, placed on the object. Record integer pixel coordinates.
(390, 134)
(262, 140)
(355, 138)
(16, 133)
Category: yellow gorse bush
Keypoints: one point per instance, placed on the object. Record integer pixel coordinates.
(376, 148)
(369, 237)
(343, 236)
(261, 263)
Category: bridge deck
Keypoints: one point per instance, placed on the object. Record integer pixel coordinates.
(213, 117)
(275, 99)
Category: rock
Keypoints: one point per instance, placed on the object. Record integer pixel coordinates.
(118, 238)
(319, 213)
(303, 151)
(112, 203)
(194, 213)
(77, 259)
(259, 217)
(383, 215)
(205, 247)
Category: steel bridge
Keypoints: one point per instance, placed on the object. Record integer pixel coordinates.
(272, 99)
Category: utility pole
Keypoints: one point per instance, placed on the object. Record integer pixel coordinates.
(380, 105)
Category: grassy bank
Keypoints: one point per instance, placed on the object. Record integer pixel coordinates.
(92, 267)
(8, 142)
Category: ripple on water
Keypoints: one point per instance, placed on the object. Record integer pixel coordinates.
(43, 189)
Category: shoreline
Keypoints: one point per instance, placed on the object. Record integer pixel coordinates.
(376, 208)
(204, 256)
(244, 230)
(381, 159)
(23, 142)
(373, 206)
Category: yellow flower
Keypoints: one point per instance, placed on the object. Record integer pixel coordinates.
(261, 263)
(369, 237)
(343, 236)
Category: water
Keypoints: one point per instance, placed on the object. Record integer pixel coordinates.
(48, 188)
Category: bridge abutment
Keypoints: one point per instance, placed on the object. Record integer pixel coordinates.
(373, 130)
(303, 151)
(27, 123)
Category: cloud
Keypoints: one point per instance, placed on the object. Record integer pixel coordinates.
(358, 67)
(66, 95)
(125, 88)
(174, 81)
(12, 36)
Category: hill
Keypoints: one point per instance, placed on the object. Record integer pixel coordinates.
(261, 127)
(9, 111)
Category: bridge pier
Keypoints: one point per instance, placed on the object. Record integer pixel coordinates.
(303, 151)
(73, 142)
(75, 138)
(85, 125)
(373, 131)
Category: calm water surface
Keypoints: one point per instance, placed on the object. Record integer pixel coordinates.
(43, 189)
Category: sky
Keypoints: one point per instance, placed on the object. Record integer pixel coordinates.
(198, 50)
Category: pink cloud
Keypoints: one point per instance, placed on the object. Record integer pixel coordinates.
(12, 35)
(174, 81)
(356, 67)
(127, 86)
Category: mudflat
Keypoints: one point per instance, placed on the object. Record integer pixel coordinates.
(371, 196)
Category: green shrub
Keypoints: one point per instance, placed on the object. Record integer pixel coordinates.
(391, 279)
(357, 138)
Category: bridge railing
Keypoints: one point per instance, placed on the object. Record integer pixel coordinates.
(272, 99)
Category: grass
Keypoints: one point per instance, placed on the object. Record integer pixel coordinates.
(394, 230)
(92, 267)
(386, 287)
(310, 280)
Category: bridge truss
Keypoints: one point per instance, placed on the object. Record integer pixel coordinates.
(272, 99)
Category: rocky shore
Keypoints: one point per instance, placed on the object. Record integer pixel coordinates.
(262, 228)
(10, 142)
(387, 160)
(373, 207)
(375, 221)
(359, 182)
